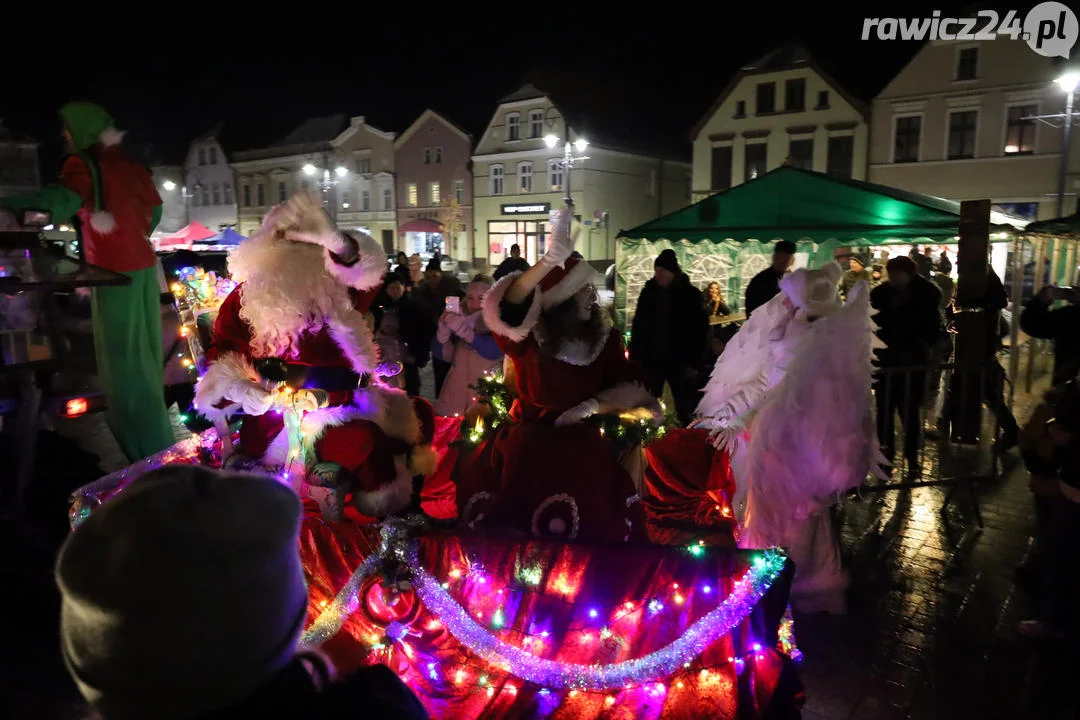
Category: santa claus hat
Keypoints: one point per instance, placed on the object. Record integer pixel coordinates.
(816, 292)
(561, 284)
(183, 594)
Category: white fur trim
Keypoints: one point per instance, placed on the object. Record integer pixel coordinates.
(102, 222)
(388, 499)
(352, 334)
(111, 137)
(581, 275)
(423, 460)
(578, 352)
(367, 272)
(222, 374)
(627, 396)
(492, 316)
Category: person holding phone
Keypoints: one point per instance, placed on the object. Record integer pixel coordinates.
(464, 341)
(1062, 325)
(431, 296)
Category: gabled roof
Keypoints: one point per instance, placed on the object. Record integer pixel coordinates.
(785, 57)
(314, 130)
(794, 204)
(424, 117)
(593, 116)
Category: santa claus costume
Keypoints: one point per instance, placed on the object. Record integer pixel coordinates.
(294, 328)
(547, 472)
(787, 413)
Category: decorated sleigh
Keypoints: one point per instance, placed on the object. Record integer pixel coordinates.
(493, 625)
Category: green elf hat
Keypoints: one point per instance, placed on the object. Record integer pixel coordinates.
(89, 125)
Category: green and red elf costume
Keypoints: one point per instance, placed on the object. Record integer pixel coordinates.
(117, 206)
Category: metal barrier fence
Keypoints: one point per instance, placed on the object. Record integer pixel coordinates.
(943, 426)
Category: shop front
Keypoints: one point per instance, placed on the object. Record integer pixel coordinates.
(525, 225)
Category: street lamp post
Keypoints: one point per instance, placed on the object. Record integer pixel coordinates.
(1068, 83)
(567, 162)
(327, 182)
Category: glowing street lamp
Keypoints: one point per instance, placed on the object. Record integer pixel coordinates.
(308, 169)
(567, 162)
(341, 171)
(1068, 83)
(169, 185)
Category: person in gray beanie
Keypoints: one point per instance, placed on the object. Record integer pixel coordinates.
(183, 598)
(857, 270)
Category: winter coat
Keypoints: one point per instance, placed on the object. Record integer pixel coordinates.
(432, 301)
(1063, 327)
(670, 326)
(407, 333)
(466, 343)
(716, 309)
(909, 324)
(762, 288)
(849, 278)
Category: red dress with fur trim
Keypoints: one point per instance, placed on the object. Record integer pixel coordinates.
(378, 434)
(532, 476)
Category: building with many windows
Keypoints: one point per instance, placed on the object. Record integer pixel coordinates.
(208, 189)
(169, 180)
(347, 161)
(782, 108)
(957, 122)
(518, 179)
(434, 187)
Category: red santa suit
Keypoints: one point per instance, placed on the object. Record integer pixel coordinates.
(377, 434)
(533, 475)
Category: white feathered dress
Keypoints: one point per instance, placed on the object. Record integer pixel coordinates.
(790, 400)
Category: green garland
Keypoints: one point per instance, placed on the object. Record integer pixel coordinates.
(491, 390)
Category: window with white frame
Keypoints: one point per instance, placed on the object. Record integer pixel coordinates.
(967, 64)
(227, 187)
(216, 192)
(282, 191)
(555, 175)
(906, 139)
(387, 199)
(247, 196)
(412, 195)
(365, 200)
(213, 155)
(513, 126)
(363, 166)
(459, 191)
(438, 153)
(496, 175)
(427, 156)
(536, 123)
(206, 194)
(1020, 129)
(260, 195)
(962, 128)
(525, 174)
(434, 193)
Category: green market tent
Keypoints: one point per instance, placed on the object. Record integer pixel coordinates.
(1069, 225)
(728, 237)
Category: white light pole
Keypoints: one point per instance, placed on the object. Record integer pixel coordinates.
(1068, 83)
(567, 162)
(327, 182)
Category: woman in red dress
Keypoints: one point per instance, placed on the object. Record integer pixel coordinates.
(547, 472)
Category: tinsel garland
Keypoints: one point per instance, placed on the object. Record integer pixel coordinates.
(491, 391)
(398, 553)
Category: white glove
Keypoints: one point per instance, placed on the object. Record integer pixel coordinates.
(254, 398)
(578, 413)
(560, 244)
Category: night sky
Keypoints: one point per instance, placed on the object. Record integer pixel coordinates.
(262, 75)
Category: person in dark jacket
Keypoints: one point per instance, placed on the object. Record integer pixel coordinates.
(856, 271)
(430, 296)
(669, 334)
(402, 331)
(514, 263)
(766, 284)
(1053, 459)
(1061, 325)
(909, 322)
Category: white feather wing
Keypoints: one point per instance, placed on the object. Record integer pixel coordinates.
(813, 437)
(738, 380)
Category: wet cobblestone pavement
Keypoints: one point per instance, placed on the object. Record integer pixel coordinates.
(929, 633)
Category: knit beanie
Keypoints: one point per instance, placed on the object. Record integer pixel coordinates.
(183, 594)
(667, 260)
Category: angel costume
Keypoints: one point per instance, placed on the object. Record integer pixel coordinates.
(788, 408)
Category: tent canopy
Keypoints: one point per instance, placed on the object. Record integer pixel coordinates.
(186, 235)
(796, 204)
(227, 237)
(1069, 225)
